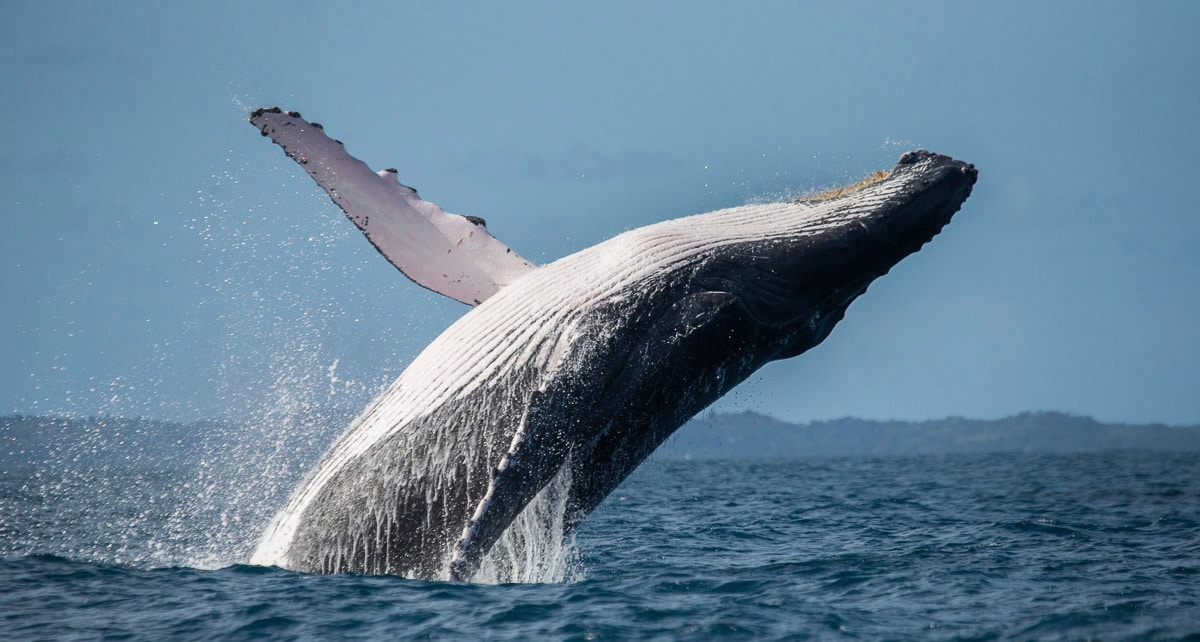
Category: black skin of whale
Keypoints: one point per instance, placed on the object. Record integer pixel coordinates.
(761, 303)
(746, 305)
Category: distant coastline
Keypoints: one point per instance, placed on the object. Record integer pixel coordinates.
(35, 440)
(755, 436)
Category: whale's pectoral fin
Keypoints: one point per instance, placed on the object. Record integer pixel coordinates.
(537, 453)
(447, 253)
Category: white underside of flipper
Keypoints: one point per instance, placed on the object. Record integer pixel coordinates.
(447, 253)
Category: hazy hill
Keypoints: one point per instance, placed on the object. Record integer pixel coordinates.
(751, 435)
(148, 443)
(35, 440)
(106, 442)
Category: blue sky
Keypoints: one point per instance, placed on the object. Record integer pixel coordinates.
(159, 258)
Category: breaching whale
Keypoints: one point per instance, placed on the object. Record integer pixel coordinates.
(580, 367)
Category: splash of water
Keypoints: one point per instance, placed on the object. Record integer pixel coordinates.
(284, 304)
(249, 467)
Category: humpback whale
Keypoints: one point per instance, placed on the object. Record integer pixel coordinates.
(577, 369)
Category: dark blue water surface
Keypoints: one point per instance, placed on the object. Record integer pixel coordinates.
(979, 546)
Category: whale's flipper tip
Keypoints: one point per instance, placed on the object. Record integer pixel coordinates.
(447, 253)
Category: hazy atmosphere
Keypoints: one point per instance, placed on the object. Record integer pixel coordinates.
(160, 259)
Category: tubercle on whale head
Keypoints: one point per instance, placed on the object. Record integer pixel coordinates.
(838, 192)
(800, 285)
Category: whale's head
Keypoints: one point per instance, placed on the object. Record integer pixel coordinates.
(817, 254)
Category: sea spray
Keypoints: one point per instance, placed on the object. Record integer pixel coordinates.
(249, 467)
(276, 374)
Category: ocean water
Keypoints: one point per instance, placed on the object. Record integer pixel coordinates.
(938, 547)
